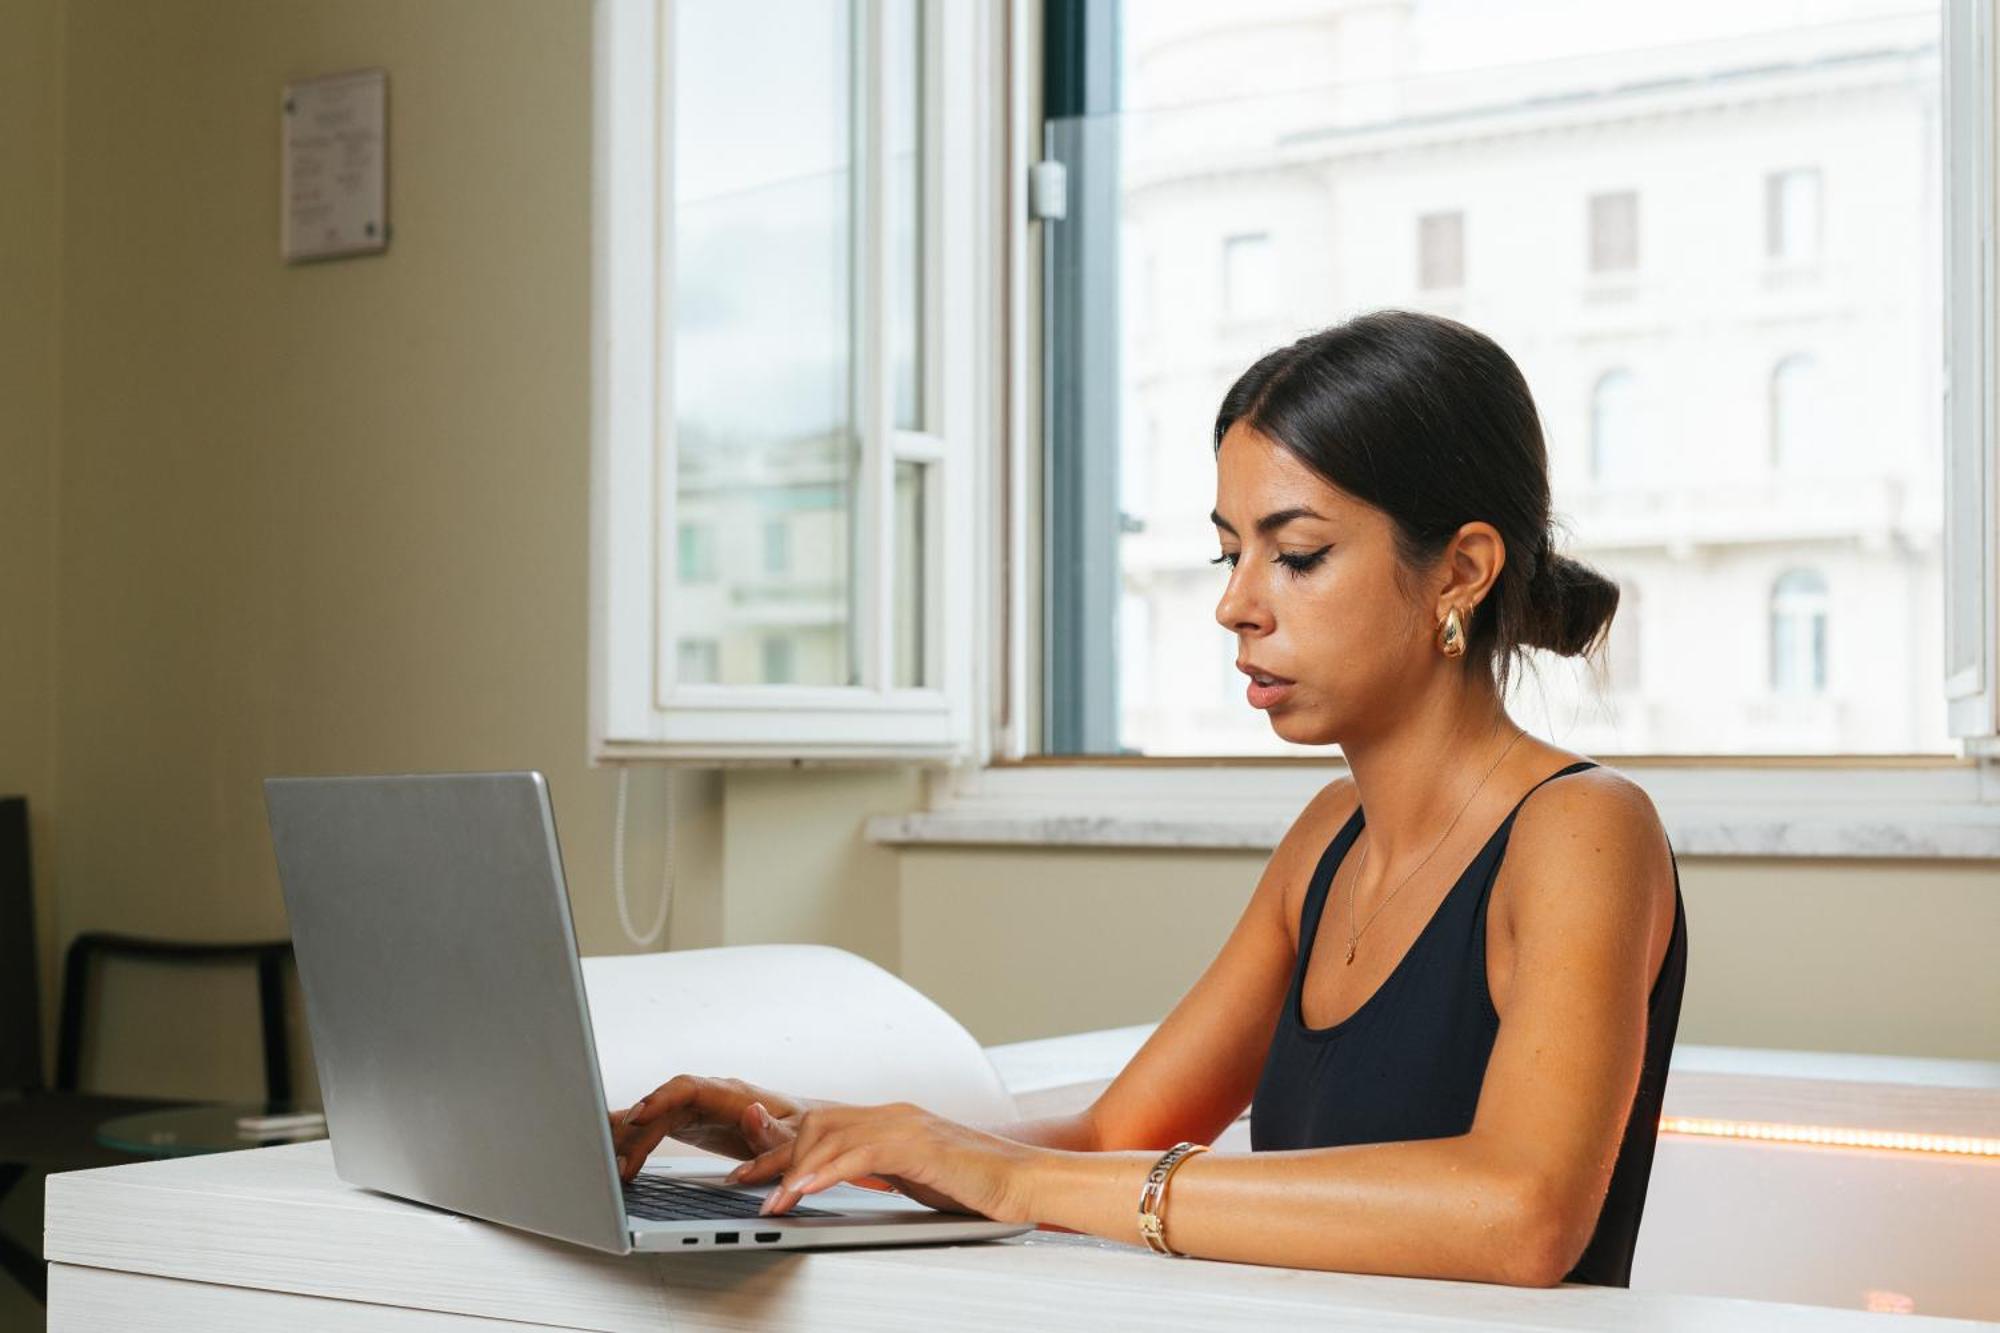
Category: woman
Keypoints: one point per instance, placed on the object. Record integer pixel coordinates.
(1454, 1039)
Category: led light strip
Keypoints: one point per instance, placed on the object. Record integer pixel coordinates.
(1829, 1136)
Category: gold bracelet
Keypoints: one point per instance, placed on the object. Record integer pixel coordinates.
(1152, 1224)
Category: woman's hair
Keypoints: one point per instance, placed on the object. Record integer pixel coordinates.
(1432, 423)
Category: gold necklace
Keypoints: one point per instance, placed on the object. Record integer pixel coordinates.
(1354, 935)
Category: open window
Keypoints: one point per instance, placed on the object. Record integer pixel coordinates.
(787, 331)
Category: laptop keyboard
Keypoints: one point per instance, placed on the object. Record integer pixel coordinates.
(662, 1199)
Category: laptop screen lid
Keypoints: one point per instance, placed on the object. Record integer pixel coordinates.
(449, 1026)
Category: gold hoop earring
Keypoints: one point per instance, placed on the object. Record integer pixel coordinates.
(1451, 634)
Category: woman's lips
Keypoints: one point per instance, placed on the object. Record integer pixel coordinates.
(1263, 696)
(1265, 687)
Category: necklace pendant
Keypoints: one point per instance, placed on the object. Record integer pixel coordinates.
(1350, 951)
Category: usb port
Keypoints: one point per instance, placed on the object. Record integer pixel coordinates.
(765, 1236)
(725, 1238)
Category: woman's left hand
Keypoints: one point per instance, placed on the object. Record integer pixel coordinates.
(937, 1162)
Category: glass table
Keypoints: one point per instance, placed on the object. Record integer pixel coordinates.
(184, 1131)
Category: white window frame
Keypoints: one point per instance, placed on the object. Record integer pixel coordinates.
(637, 711)
(1972, 692)
(1896, 806)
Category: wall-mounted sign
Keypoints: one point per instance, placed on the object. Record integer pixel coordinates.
(336, 174)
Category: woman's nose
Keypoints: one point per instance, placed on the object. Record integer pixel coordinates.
(1240, 611)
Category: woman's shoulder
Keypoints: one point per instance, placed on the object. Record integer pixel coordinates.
(1599, 796)
(1597, 827)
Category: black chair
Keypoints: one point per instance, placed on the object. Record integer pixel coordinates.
(54, 1129)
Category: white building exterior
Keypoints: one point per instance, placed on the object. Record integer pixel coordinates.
(1714, 252)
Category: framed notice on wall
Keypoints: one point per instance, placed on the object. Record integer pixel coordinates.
(336, 166)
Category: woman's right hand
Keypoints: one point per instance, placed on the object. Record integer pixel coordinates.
(719, 1115)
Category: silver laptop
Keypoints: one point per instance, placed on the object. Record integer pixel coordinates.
(452, 1038)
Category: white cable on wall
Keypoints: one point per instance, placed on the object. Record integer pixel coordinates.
(666, 861)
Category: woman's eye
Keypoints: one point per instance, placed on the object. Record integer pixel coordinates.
(1226, 558)
(1299, 564)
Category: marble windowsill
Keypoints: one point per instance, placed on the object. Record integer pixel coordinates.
(1974, 835)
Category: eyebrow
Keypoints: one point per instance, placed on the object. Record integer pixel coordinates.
(1270, 522)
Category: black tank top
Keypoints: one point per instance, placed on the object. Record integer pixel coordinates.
(1409, 1062)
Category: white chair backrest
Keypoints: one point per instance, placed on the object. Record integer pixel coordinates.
(806, 1019)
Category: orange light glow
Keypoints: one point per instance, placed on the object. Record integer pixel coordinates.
(1830, 1136)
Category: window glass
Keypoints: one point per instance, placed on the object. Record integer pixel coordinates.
(1791, 205)
(902, 39)
(1796, 400)
(1615, 421)
(911, 592)
(1248, 277)
(1441, 251)
(1633, 170)
(1798, 632)
(1614, 231)
(762, 300)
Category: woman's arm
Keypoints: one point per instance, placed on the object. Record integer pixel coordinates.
(1516, 1198)
(1066, 1133)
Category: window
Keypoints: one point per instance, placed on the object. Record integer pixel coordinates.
(1614, 232)
(777, 546)
(789, 309)
(1249, 282)
(779, 660)
(697, 558)
(1623, 657)
(1441, 251)
(1791, 215)
(1795, 412)
(1660, 407)
(1614, 429)
(700, 661)
(1798, 633)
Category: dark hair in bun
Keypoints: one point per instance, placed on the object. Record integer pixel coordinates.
(1432, 423)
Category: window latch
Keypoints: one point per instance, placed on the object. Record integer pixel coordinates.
(1048, 191)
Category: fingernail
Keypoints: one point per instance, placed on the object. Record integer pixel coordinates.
(801, 1184)
(734, 1176)
(763, 1116)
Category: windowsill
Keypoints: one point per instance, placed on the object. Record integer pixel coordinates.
(1898, 810)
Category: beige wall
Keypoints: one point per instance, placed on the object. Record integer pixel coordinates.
(318, 518)
(30, 215)
(333, 518)
(1883, 956)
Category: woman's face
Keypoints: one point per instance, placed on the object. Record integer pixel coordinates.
(1313, 597)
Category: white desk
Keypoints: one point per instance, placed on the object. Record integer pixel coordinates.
(269, 1238)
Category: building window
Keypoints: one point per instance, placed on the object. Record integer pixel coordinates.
(1614, 232)
(698, 661)
(1614, 428)
(1791, 215)
(1795, 412)
(777, 546)
(779, 660)
(1798, 632)
(697, 553)
(1441, 251)
(1622, 651)
(1249, 282)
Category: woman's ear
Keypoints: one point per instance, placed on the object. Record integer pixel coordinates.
(1471, 565)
